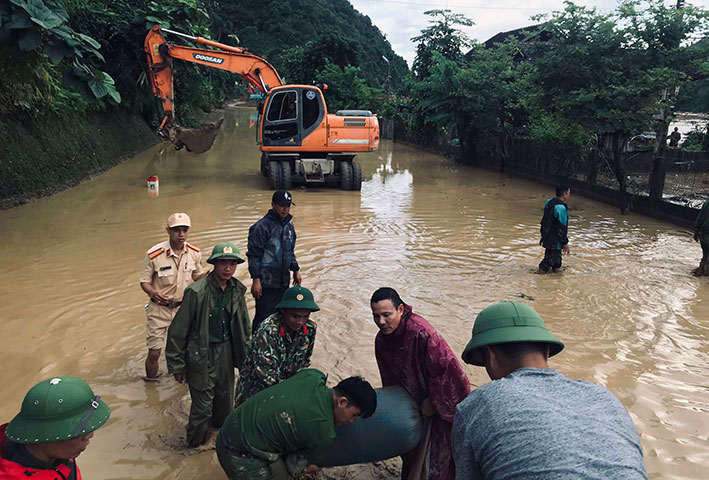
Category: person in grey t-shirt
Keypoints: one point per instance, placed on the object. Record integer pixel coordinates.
(531, 422)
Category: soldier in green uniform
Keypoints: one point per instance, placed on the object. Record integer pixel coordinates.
(55, 424)
(278, 430)
(281, 345)
(208, 339)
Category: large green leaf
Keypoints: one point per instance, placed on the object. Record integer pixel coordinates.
(43, 16)
(30, 40)
(113, 93)
(20, 3)
(98, 89)
(55, 52)
(18, 20)
(90, 40)
(64, 31)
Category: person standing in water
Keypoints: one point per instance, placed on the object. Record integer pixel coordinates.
(554, 227)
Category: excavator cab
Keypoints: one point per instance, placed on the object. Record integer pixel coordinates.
(291, 113)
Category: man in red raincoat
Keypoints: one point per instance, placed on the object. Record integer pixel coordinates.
(411, 353)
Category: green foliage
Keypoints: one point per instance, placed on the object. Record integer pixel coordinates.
(37, 48)
(346, 89)
(694, 97)
(582, 72)
(121, 26)
(442, 37)
(302, 63)
(591, 77)
(43, 155)
(487, 94)
(560, 137)
(296, 36)
(697, 140)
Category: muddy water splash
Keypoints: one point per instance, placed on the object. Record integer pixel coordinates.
(451, 240)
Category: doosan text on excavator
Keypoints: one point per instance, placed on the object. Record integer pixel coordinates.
(300, 142)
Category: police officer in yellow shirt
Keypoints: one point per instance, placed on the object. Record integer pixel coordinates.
(168, 268)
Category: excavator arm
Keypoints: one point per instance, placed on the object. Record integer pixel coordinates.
(257, 72)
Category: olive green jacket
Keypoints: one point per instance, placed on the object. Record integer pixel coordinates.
(187, 347)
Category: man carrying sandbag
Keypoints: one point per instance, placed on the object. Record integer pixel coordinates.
(411, 353)
(276, 431)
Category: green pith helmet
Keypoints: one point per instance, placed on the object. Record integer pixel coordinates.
(57, 409)
(298, 297)
(225, 251)
(508, 322)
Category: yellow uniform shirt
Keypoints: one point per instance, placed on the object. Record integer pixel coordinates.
(171, 273)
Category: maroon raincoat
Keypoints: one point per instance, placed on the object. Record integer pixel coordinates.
(417, 357)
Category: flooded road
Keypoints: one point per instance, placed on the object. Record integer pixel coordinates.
(450, 240)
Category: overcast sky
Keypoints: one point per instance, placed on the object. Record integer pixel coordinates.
(400, 20)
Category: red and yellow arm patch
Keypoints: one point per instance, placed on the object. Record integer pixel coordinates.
(196, 249)
(155, 253)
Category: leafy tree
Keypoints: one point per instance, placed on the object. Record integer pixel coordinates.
(590, 78)
(301, 63)
(696, 140)
(346, 89)
(122, 25)
(694, 97)
(499, 89)
(441, 36)
(658, 37)
(273, 28)
(37, 45)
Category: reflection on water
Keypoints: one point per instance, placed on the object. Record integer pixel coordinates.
(451, 240)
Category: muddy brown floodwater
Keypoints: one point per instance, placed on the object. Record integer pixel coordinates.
(450, 240)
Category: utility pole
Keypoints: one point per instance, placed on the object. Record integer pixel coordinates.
(389, 72)
(657, 176)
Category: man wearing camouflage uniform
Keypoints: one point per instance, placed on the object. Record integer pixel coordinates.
(281, 345)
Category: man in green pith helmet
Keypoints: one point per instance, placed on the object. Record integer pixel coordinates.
(532, 421)
(281, 345)
(208, 339)
(55, 424)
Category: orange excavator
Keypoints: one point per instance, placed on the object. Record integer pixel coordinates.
(301, 143)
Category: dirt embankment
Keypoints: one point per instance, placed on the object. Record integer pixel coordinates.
(41, 157)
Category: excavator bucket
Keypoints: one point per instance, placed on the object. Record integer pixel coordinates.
(195, 140)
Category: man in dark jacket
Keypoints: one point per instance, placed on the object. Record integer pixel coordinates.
(271, 254)
(554, 230)
(207, 339)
